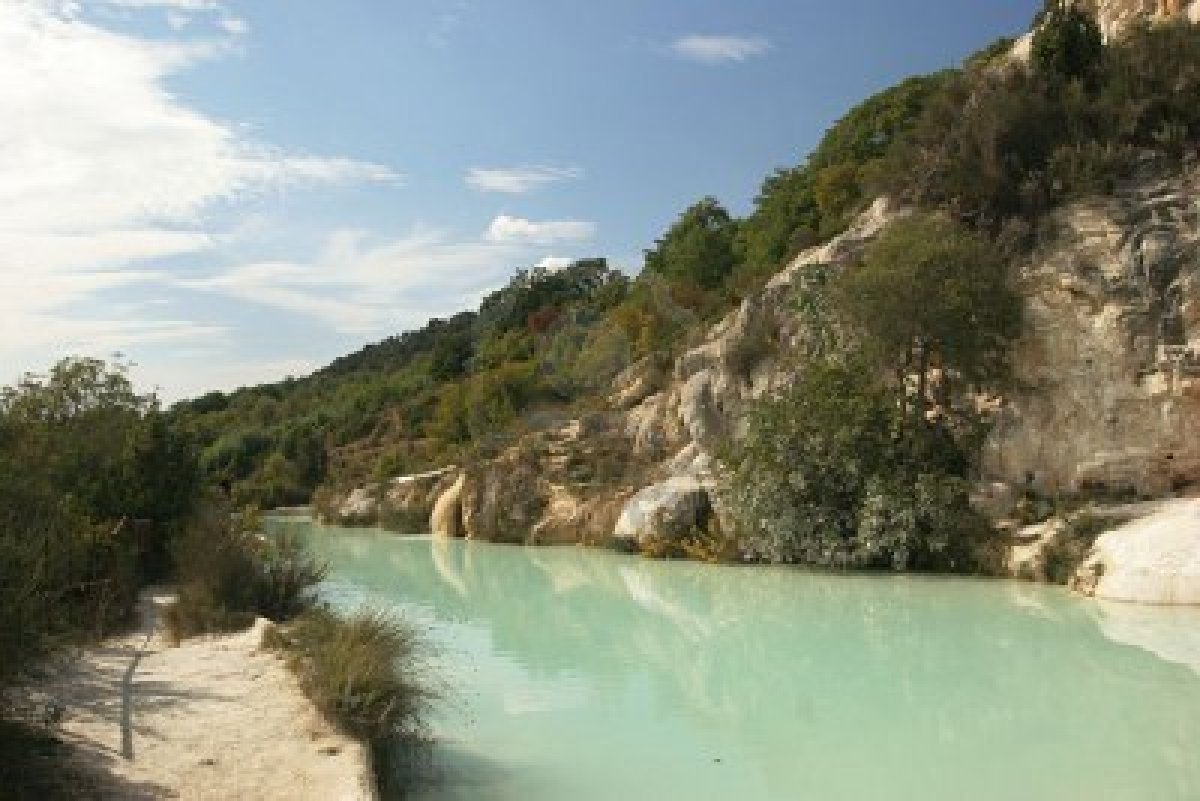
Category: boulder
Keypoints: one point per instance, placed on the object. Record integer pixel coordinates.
(664, 513)
(1153, 560)
(360, 507)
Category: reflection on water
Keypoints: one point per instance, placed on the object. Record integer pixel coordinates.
(582, 674)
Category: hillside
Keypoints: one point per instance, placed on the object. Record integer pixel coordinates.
(1052, 360)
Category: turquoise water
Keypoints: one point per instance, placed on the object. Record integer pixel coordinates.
(580, 674)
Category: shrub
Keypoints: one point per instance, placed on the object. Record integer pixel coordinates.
(833, 472)
(229, 574)
(1067, 43)
(362, 670)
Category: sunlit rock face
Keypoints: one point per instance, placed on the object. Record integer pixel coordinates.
(667, 513)
(1111, 356)
(1153, 560)
(1117, 16)
(745, 355)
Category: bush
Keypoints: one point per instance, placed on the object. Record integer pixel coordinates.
(229, 574)
(833, 472)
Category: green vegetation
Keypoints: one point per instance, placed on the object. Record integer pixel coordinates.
(101, 493)
(833, 472)
(698, 248)
(92, 483)
(368, 672)
(1068, 42)
(865, 461)
(229, 574)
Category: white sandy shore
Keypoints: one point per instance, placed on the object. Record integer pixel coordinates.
(214, 719)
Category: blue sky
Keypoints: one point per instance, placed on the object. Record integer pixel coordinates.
(228, 192)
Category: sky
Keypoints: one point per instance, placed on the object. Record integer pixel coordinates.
(226, 192)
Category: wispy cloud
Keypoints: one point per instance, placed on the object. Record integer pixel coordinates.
(178, 5)
(554, 263)
(519, 180)
(354, 286)
(103, 170)
(719, 49)
(235, 26)
(508, 229)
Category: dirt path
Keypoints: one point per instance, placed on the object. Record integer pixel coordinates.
(213, 719)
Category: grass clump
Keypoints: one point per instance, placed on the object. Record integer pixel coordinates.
(369, 673)
(229, 574)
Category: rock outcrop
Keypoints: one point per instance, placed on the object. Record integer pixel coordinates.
(664, 514)
(445, 521)
(748, 353)
(1153, 560)
(405, 500)
(1118, 16)
(1111, 355)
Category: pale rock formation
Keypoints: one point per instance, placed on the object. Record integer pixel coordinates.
(637, 382)
(1171, 634)
(665, 512)
(570, 517)
(1118, 16)
(1027, 558)
(360, 506)
(1153, 560)
(745, 355)
(1112, 349)
(445, 521)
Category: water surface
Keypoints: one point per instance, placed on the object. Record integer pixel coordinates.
(584, 675)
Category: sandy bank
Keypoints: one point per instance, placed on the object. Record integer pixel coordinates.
(214, 719)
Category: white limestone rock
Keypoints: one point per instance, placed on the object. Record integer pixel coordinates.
(1153, 560)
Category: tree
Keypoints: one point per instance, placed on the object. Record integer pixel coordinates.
(930, 293)
(1068, 42)
(698, 248)
(824, 476)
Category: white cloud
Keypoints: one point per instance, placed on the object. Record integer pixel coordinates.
(509, 229)
(178, 5)
(519, 180)
(355, 287)
(103, 169)
(719, 49)
(554, 263)
(234, 26)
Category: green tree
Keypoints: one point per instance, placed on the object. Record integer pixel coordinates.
(1068, 42)
(698, 248)
(929, 292)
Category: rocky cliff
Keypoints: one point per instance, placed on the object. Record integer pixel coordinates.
(1109, 370)
(1117, 16)
(1111, 357)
